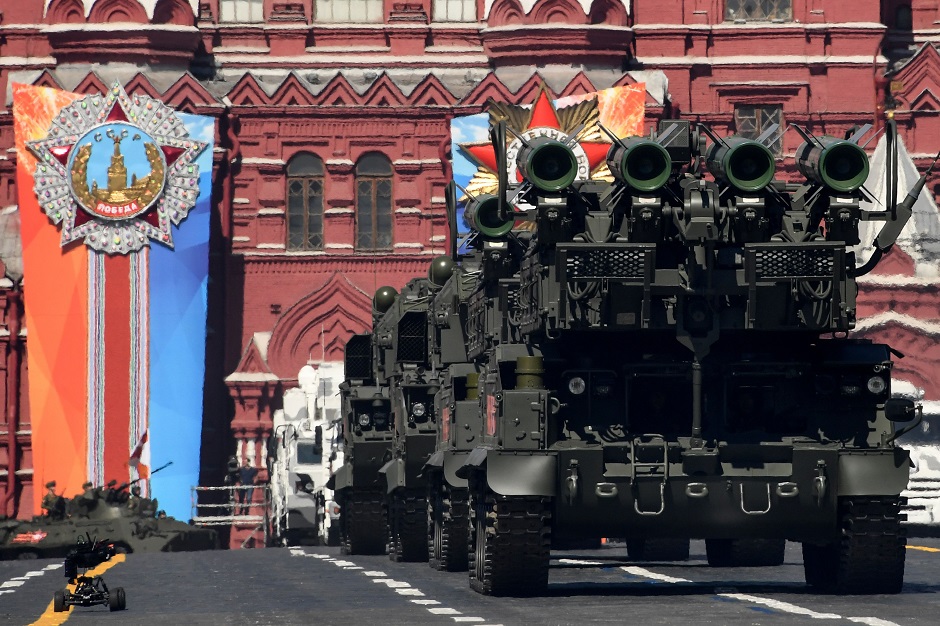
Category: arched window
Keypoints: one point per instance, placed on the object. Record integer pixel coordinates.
(305, 203)
(373, 202)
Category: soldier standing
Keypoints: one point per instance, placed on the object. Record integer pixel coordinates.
(247, 476)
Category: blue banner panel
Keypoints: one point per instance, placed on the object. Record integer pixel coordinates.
(177, 302)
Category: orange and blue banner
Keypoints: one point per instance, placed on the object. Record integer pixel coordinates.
(114, 201)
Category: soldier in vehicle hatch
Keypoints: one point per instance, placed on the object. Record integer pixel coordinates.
(133, 501)
(53, 505)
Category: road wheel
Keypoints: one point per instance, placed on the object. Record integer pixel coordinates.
(58, 601)
(362, 519)
(454, 514)
(116, 600)
(512, 543)
(434, 521)
(408, 532)
(27, 555)
(658, 549)
(869, 557)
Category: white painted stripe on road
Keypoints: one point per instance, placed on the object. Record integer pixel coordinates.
(410, 591)
(3, 591)
(579, 562)
(52, 567)
(645, 573)
(12, 583)
(779, 605)
(403, 588)
(30, 574)
(444, 611)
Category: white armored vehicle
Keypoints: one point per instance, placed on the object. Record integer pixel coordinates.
(300, 453)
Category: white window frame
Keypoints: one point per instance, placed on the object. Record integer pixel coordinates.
(241, 11)
(350, 11)
(454, 11)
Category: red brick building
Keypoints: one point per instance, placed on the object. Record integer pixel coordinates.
(333, 142)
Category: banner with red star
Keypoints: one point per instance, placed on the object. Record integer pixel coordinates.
(619, 109)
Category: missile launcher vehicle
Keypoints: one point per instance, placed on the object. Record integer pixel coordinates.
(483, 275)
(402, 364)
(682, 365)
(357, 486)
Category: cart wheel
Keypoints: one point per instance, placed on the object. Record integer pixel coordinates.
(116, 601)
(58, 602)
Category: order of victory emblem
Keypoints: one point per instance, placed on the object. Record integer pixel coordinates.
(117, 171)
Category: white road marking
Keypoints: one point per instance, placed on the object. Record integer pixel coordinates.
(401, 588)
(645, 573)
(444, 611)
(779, 605)
(409, 592)
(10, 586)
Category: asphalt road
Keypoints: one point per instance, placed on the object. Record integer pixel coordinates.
(318, 586)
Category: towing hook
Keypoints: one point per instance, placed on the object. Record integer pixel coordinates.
(820, 483)
(572, 483)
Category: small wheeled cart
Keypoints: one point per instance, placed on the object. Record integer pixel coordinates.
(89, 590)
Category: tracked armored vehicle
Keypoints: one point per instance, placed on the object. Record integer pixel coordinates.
(483, 275)
(366, 421)
(685, 369)
(129, 529)
(402, 364)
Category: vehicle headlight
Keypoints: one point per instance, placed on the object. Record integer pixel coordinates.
(877, 385)
(576, 385)
(364, 419)
(418, 409)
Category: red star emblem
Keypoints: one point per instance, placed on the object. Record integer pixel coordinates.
(542, 118)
